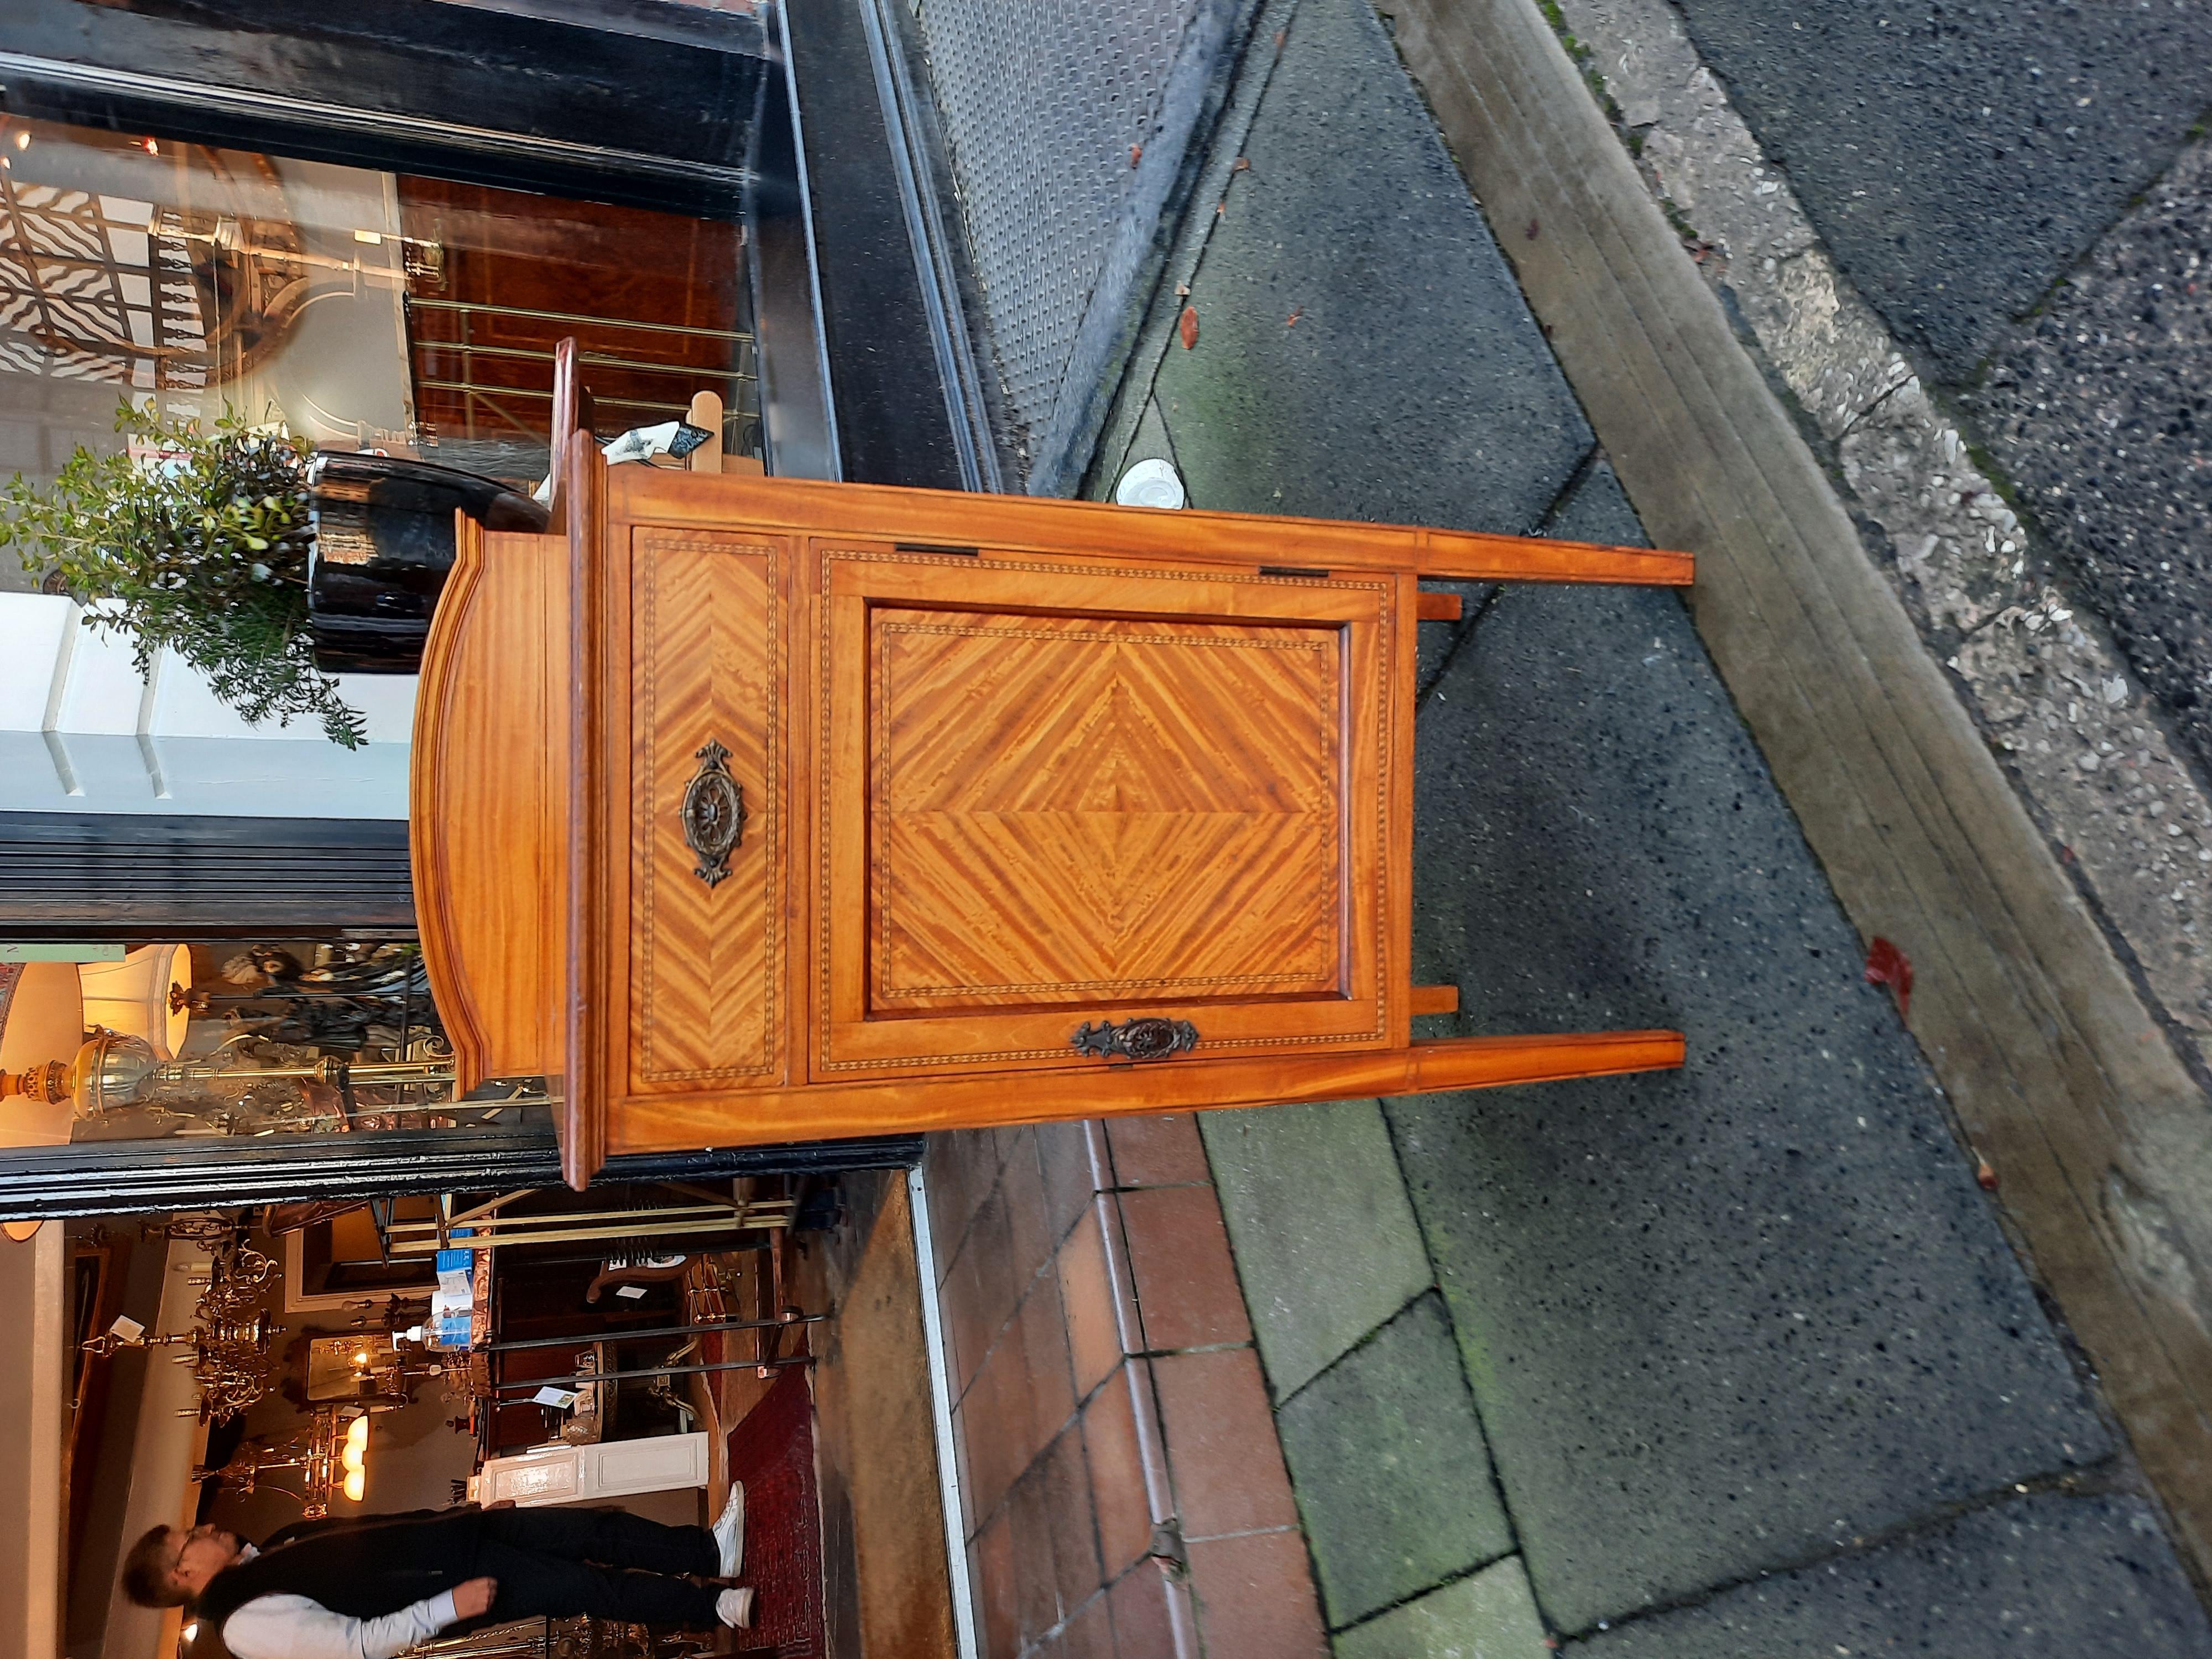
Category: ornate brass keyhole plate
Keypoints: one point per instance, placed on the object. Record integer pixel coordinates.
(1149, 1038)
(714, 814)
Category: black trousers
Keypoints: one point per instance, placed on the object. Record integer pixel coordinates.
(606, 1563)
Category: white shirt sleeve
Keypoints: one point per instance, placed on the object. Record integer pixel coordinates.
(293, 1627)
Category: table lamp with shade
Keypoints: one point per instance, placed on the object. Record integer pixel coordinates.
(41, 1015)
(136, 1009)
(142, 996)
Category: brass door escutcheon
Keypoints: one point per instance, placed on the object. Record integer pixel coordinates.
(714, 814)
(1149, 1038)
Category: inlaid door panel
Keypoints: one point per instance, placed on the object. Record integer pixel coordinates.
(1060, 790)
(707, 940)
(1068, 808)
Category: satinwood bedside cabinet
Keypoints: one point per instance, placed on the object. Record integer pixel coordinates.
(753, 810)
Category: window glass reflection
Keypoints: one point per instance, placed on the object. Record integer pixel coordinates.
(363, 309)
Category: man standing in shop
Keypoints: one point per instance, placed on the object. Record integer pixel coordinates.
(372, 1587)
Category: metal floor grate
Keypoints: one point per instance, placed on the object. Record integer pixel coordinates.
(1041, 101)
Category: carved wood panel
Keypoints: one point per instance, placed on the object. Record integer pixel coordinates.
(707, 933)
(1085, 809)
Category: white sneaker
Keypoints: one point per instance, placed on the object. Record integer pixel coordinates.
(734, 1607)
(729, 1530)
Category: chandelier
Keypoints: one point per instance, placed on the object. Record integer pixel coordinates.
(228, 1346)
(332, 1454)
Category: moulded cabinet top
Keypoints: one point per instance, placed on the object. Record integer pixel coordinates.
(949, 520)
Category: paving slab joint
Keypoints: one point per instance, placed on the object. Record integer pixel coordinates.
(1442, 1583)
(2112, 1477)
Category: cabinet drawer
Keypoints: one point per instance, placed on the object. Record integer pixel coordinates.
(708, 937)
(1059, 792)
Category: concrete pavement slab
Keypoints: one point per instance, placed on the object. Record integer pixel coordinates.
(1149, 443)
(1387, 1461)
(1731, 1316)
(2075, 400)
(1486, 1615)
(1713, 1323)
(1959, 159)
(2043, 1577)
(1325, 1241)
(1596, 510)
(1362, 350)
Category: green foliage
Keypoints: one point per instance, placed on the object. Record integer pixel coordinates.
(202, 549)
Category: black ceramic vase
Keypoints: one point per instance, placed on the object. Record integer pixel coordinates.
(383, 548)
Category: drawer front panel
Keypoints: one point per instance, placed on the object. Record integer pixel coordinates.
(708, 929)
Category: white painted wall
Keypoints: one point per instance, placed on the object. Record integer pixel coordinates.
(169, 1440)
(80, 730)
(33, 1392)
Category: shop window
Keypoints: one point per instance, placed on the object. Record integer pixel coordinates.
(364, 309)
(274, 1038)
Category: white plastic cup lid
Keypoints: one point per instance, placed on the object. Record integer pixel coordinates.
(1150, 484)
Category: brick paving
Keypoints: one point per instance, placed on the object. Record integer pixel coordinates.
(1124, 1486)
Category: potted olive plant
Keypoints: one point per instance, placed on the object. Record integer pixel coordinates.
(263, 563)
(196, 539)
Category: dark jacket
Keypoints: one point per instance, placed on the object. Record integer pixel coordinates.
(360, 1568)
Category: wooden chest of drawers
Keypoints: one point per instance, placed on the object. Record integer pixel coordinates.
(755, 810)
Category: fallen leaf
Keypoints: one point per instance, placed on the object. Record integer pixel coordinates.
(1280, 36)
(1243, 165)
(1888, 965)
(1183, 290)
(1985, 1173)
(1297, 313)
(1136, 154)
(1532, 229)
(1220, 208)
(1187, 328)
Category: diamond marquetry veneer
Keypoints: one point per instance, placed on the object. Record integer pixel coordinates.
(755, 810)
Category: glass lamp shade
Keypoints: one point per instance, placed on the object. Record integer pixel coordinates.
(358, 1432)
(354, 1458)
(355, 1485)
(109, 1072)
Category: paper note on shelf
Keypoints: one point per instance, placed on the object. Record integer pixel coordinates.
(453, 1271)
(560, 1399)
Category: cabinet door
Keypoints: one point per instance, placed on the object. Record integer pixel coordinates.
(562, 1473)
(707, 937)
(1056, 790)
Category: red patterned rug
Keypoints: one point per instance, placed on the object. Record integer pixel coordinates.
(772, 1452)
